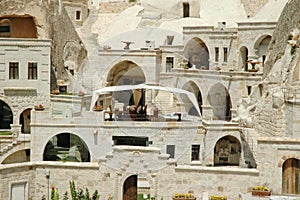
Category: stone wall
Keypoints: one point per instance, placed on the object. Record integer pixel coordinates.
(288, 21)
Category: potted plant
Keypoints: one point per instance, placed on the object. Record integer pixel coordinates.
(187, 196)
(39, 107)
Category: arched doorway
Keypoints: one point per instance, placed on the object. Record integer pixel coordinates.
(25, 121)
(130, 188)
(6, 116)
(220, 101)
(244, 57)
(291, 176)
(197, 54)
(192, 87)
(227, 151)
(66, 147)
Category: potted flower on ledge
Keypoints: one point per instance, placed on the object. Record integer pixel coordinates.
(39, 107)
(187, 196)
(260, 191)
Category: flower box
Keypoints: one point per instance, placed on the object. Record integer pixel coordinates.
(182, 198)
(260, 193)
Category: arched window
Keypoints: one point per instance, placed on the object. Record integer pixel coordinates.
(5, 28)
(66, 147)
(227, 151)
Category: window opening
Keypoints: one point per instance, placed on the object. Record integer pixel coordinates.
(186, 9)
(171, 150)
(216, 54)
(225, 54)
(169, 64)
(195, 152)
(13, 70)
(78, 15)
(32, 71)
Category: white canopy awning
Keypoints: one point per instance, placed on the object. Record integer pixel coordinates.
(190, 95)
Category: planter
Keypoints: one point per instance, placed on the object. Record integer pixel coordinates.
(38, 108)
(260, 193)
(182, 198)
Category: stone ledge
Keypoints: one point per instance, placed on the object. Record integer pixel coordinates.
(218, 170)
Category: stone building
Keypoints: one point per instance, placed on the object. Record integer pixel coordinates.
(142, 101)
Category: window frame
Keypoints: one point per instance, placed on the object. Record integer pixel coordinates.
(13, 72)
(197, 152)
(32, 71)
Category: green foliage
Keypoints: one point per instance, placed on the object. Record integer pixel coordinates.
(96, 196)
(43, 197)
(66, 196)
(132, 0)
(54, 194)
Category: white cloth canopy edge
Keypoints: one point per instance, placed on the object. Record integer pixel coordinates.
(190, 95)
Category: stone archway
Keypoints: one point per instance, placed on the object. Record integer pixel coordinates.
(192, 87)
(220, 101)
(261, 45)
(197, 54)
(66, 147)
(130, 188)
(227, 151)
(125, 73)
(291, 176)
(25, 121)
(6, 116)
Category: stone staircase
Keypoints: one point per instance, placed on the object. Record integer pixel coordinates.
(9, 143)
(165, 102)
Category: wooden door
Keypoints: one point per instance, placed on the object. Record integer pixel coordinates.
(291, 176)
(130, 188)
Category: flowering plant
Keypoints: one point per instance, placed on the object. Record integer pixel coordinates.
(39, 107)
(260, 188)
(98, 107)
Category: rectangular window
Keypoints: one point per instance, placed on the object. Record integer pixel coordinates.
(13, 70)
(78, 15)
(19, 191)
(216, 54)
(32, 70)
(169, 64)
(225, 54)
(171, 150)
(195, 152)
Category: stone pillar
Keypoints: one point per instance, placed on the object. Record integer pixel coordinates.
(16, 130)
(207, 112)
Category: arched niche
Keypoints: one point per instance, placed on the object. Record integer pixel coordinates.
(66, 147)
(25, 121)
(6, 116)
(227, 151)
(220, 101)
(197, 54)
